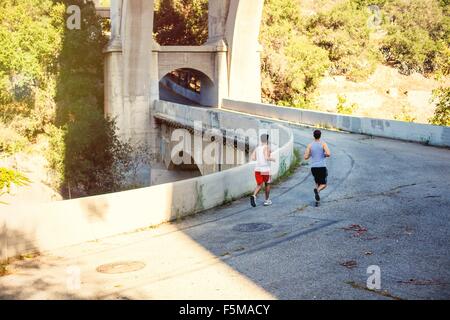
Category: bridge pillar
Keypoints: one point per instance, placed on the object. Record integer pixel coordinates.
(131, 68)
(241, 34)
(217, 20)
(221, 73)
(131, 74)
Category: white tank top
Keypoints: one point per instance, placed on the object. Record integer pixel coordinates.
(262, 165)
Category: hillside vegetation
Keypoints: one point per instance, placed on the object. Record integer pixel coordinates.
(51, 92)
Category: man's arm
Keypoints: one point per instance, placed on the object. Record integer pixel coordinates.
(253, 156)
(307, 152)
(268, 154)
(326, 150)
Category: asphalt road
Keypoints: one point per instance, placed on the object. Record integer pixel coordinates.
(388, 204)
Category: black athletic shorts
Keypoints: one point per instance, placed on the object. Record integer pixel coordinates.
(320, 175)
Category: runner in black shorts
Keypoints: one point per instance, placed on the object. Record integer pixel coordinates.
(318, 151)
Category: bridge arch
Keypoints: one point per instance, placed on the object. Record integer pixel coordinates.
(191, 84)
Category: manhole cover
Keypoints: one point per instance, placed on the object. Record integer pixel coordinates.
(252, 227)
(121, 267)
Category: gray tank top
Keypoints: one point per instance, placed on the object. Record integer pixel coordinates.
(317, 155)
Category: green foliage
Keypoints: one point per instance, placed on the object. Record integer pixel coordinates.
(93, 155)
(344, 33)
(362, 4)
(10, 141)
(80, 62)
(441, 116)
(30, 34)
(291, 65)
(418, 36)
(92, 152)
(55, 153)
(9, 177)
(30, 38)
(51, 81)
(181, 22)
(405, 115)
(343, 107)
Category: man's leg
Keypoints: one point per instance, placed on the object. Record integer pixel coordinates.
(257, 189)
(267, 190)
(268, 202)
(321, 187)
(259, 184)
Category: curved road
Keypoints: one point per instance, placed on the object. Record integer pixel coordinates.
(387, 204)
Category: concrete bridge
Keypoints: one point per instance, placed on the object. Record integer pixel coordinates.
(227, 65)
(387, 203)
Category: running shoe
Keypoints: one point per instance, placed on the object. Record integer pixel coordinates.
(316, 193)
(253, 201)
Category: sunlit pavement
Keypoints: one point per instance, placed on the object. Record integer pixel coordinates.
(387, 204)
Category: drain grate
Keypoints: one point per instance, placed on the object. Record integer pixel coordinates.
(121, 267)
(252, 227)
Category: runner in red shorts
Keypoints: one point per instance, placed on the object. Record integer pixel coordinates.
(262, 156)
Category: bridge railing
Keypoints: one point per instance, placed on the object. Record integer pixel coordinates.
(407, 131)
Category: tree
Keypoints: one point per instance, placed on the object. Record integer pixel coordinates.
(181, 22)
(418, 36)
(92, 148)
(343, 31)
(30, 39)
(291, 64)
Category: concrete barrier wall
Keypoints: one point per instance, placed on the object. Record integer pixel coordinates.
(408, 131)
(57, 224)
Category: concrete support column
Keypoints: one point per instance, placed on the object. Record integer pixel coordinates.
(113, 70)
(221, 72)
(153, 138)
(217, 19)
(242, 32)
(138, 63)
(116, 20)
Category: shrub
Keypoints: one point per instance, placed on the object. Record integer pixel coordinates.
(55, 154)
(345, 108)
(92, 154)
(9, 177)
(441, 116)
(405, 115)
(10, 141)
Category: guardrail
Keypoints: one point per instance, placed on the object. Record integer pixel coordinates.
(407, 131)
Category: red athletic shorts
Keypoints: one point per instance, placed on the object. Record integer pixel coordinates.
(262, 177)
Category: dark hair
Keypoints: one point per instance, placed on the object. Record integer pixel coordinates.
(264, 137)
(317, 134)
